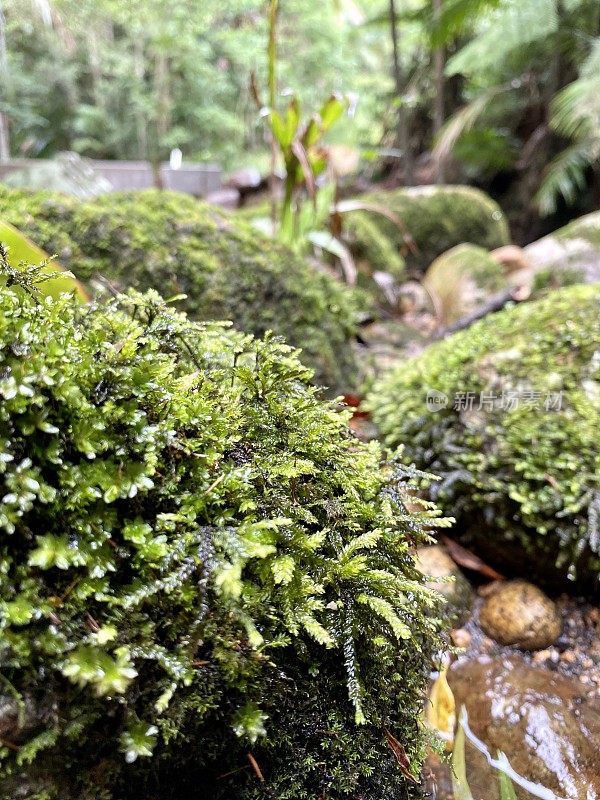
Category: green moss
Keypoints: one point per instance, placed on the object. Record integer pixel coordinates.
(462, 278)
(437, 218)
(371, 245)
(197, 561)
(587, 228)
(226, 268)
(524, 482)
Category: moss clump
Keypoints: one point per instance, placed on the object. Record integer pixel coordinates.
(437, 218)
(175, 244)
(461, 279)
(198, 560)
(520, 469)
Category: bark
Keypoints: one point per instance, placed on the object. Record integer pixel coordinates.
(438, 110)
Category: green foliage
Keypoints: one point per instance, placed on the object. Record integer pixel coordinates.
(197, 558)
(114, 80)
(226, 269)
(300, 146)
(516, 59)
(17, 255)
(523, 481)
(436, 218)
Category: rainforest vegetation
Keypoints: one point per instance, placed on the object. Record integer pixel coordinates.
(299, 400)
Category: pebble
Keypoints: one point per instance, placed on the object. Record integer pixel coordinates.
(520, 614)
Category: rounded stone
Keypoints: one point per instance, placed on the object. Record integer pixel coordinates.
(434, 562)
(520, 614)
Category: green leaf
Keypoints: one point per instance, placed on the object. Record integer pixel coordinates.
(460, 785)
(331, 111)
(21, 249)
(283, 569)
(505, 785)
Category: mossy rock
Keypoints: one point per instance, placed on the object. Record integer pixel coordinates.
(518, 457)
(569, 255)
(436, 217)
(175, 244)
(462, 279)
(198, 561)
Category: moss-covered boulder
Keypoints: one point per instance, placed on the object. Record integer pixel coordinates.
(175, 244)
(461, 279)
(507, 413)
(437, 218)
(206, 582)
(567, 256)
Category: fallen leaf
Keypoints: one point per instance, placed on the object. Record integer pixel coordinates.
(441, 710)
(401, 757)
(465, 558)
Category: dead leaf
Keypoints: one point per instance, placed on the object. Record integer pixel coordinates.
(465, 558)
(401, 757)
(441, 709)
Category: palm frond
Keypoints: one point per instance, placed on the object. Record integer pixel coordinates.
(509, 27)
(575, 110)
(456, 16)
(463, 120)
(564, 177)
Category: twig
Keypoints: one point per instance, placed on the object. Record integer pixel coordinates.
(495, 303)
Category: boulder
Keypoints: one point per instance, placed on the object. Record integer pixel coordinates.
(461, 279)
(514, 434)
(433, 219)
(178, 245)
(568, 255)
(198, 563)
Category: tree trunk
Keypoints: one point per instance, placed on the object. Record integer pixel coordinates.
(140, 117)
(438, 69)
(4, 135)
(403, 113)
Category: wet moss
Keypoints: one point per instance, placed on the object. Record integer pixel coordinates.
(520, 463)
(197, 561)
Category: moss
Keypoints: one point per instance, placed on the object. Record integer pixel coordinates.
(437, 218)
(372, 246)
(227, 269)
(524, 482)
(462, 278)
(587, 228)
(197, 561)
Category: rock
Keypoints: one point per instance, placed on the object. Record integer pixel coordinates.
(516, 444)
(245, 179)
(569, 255)
(511, 258)
(224, 268)
(422, 223)
(520, 614)
(225, 198)
(545, 724)
(462, 279)
(435, 561)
